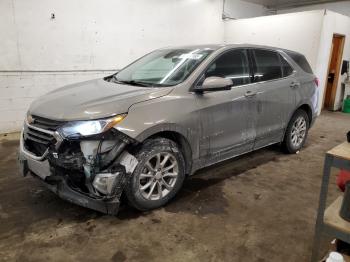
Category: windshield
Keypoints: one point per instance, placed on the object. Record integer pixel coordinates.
(165, 67)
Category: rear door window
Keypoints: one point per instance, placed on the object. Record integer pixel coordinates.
(267, 65)
(233, 64)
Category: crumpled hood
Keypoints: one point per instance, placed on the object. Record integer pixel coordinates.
(92, 99)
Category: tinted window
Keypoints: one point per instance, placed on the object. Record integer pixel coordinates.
(268, 65)
(286, 68)
(301, 61)
(232, 64)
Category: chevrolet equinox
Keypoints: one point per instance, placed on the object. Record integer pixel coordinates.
(142, 130)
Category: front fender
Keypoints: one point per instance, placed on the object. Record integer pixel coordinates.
(170, 127)
(176, 113)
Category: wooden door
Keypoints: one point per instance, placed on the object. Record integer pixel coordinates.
(333, 71)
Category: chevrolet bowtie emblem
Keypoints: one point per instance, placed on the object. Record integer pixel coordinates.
(30, 119)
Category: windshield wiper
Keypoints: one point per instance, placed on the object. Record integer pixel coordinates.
(134, 82)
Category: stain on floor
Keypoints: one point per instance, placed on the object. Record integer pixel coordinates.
(258, 207)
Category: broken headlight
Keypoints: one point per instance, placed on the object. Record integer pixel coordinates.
(76, 129)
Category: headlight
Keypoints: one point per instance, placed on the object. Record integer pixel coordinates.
(89, 127)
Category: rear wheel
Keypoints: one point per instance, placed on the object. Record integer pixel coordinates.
(158, 176)
(296, 132)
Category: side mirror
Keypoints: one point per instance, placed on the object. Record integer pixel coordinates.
(214, 83)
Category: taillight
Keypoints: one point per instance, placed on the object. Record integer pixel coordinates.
(316, 81)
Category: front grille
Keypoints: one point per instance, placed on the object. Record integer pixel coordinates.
(47, 124)
(39, 134)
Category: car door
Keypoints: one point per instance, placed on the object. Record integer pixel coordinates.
(275, 81)
(227, 117)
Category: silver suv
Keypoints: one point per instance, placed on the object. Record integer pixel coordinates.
(141, 131)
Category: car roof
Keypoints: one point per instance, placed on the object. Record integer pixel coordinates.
(221, 46)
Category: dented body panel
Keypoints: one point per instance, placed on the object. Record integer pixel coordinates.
(213, 126)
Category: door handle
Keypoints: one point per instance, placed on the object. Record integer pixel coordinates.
(250, 94)
(294, 84)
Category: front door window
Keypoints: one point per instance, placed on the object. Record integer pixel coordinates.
(233, 65)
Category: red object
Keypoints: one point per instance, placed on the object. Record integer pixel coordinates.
(342, 178)
(317, 81)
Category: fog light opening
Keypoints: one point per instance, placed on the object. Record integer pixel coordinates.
(104, 182)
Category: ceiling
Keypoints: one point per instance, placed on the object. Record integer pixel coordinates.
(281, 4)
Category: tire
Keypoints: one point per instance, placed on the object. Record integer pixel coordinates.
(296, 132)
(150, 174)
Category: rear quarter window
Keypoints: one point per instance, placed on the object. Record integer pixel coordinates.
(287, 70)
(301, 61)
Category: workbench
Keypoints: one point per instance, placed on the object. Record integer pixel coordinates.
(328, 220)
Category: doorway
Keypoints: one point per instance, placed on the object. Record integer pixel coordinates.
(335, 60)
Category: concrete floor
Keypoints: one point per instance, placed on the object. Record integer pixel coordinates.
(259, 207)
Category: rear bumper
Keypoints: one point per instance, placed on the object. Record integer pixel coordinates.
(313, 120)
(39, 167)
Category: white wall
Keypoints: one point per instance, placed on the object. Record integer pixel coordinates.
(237, 9)
(89, 35)
(309, 33)
(86, 39)
(338, 7)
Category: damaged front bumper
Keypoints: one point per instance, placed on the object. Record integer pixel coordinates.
(60, 187)
(97, 185)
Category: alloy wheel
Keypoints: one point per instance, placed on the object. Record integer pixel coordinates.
(158, 176)
(298, 131)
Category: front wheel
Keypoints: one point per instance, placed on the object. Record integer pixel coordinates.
(296, 132)
(158, 176)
